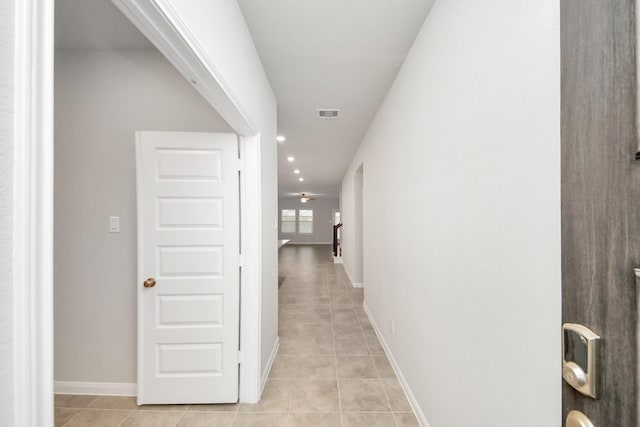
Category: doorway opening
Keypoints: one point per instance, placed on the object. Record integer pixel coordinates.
(110, 82)
(34, 160)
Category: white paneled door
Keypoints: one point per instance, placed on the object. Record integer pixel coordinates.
(188, 277)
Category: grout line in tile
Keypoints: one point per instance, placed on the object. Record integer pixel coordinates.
(126, 418)
(97, 409)
(335, 356)
(395, 418)
(180, 418)
(235, 415)
(291, 396)
(69, 420)
(384, 390)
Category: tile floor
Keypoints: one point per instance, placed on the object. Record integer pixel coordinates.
(330, 371)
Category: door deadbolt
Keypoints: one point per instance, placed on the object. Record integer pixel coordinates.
(580, 359)
(150, 282)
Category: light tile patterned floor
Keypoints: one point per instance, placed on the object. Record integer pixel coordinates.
(330, 371)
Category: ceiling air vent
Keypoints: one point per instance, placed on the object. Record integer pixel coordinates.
(328, 114)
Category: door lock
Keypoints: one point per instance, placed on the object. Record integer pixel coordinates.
(574, 375)
(580, 358)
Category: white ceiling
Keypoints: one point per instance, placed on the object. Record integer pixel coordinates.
(95, 25)
(329, 54)
(317, 53)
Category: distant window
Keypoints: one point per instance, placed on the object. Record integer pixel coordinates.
(305, 221)
(288, 221)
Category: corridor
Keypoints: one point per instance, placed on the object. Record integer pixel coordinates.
(331, 369)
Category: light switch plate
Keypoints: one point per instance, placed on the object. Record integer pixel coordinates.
(114, 224)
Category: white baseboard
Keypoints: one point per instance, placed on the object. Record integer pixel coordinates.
(337, 260)
(272, 358)
(354, 284)
(403, 382)
(309, 243)
(103, 389)
(131, 389)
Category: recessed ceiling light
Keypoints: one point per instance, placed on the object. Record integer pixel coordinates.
(291, 159)
(297, 171)
(300, 179)
(280, 138)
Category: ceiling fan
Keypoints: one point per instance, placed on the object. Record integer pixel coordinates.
(304, 198)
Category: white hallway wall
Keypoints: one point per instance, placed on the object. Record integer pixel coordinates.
(102, 98)
(6, 208)
(463, 159)
(322, 219)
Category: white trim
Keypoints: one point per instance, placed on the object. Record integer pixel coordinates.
(99, 389)
(251, 273)
(396, 368)
(337, 260)
(272, 358)
(354, 284)
(157, 20)
(33, 215)
(139, 268)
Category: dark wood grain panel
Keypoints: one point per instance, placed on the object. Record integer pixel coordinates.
(601, 197)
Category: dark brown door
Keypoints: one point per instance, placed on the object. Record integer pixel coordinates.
(601, 198)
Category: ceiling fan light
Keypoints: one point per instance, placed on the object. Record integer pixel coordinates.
(304, 199)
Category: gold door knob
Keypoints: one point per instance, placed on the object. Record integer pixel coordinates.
(150, 282)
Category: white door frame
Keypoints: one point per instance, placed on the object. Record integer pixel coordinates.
(33, 214)
(33, 191)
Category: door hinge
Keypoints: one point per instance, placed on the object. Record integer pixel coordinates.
(239, 357)
(240, 260)
(241, 164)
